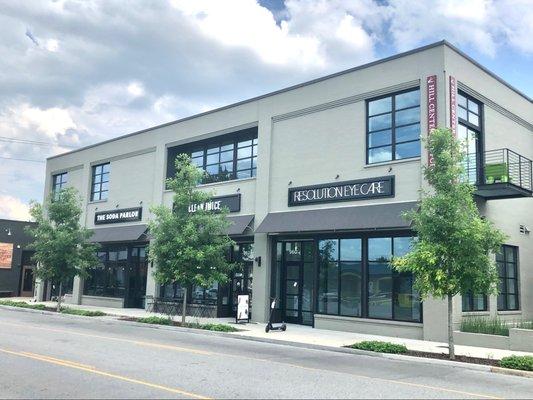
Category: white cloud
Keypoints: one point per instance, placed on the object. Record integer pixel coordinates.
(52, 122)
(52, 45)
(12, 208)
(76, 73)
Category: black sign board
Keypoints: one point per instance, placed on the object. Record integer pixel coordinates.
(232, 202)
(116, 216)
(360, 189)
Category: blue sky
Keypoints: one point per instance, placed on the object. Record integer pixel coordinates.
(77, 72)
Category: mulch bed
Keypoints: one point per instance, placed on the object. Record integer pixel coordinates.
(458, 358)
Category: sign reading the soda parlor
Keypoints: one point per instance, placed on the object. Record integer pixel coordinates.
(342, 191)
(115, 216)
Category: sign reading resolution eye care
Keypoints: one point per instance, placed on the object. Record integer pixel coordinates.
(116, 216)
(360, 189)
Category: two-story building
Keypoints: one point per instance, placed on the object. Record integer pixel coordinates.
(316, 177)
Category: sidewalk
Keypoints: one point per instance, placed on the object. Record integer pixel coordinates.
(303, 334)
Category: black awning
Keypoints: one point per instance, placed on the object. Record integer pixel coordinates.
(380, 216)
(239, 224)
(119, 234)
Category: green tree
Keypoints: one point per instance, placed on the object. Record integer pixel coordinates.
(189, 248)
(61, 244)
(453, 253)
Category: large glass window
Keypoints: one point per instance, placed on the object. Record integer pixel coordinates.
(391, 294)
(224, 158)
(108, 278)
(507, 261)
(339, 288)
(393, 126)
(468, 132)
(100, 182)
(474, 302)
(59, 181)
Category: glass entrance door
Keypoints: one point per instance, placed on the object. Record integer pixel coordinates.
(298, 282)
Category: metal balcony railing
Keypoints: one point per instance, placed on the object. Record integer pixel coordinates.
(501, 167)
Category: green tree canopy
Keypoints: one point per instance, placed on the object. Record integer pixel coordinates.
(189, 248)
(454, 250)
(61, 244)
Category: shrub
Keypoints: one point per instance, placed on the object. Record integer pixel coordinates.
(489, 326)
(85, 313)
(155, 320)
(380, 347)
(524, 363)
(218, 327)
(525, 325)
(22, 304)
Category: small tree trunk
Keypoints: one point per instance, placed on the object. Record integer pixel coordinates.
(184, 308)
(451, 345)
(59, 297)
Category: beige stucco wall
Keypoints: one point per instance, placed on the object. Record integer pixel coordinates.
(307, 136)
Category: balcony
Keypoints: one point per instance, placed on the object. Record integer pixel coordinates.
(504, 174)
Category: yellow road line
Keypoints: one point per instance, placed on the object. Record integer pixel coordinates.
(93, 370)
(194, 351)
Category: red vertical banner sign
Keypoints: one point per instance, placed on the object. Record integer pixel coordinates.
(453, 105)
(431, 84)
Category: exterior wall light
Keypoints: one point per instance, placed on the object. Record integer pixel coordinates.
(258, 260)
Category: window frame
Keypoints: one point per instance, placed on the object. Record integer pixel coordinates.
(469, 297)
(58, 186)
(393, 126)
(477, 129)
(101, 182)
(365, 265)
(234, 138)
(504, 294)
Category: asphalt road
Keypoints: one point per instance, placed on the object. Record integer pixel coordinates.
(55, 356)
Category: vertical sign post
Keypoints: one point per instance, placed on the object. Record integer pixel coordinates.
(453, 105)
(431, 83)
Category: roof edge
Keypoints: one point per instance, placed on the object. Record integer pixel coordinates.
(486, 70)
(306, 83)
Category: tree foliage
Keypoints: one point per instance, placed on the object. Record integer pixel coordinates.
(453, 253)
(189, 248)
(61, 244)
(454, 250)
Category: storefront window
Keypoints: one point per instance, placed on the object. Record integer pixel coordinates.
(379, 278)
(108, 279)
(339, 289)
(389, 294)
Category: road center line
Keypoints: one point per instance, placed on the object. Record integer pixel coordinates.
(191, 350)
(93, 370)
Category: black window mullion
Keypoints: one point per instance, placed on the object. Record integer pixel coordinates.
(338, 277)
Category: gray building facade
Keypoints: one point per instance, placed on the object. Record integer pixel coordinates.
(316, 177)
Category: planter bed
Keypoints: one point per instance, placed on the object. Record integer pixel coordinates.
(168, 322)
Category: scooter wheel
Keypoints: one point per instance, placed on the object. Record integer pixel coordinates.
(283, 328)
(267, 328)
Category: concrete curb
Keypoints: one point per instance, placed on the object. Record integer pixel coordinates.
(309, 346)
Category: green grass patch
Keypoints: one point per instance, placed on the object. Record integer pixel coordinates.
(217, 327)
(525, 324)
(85, 313)
(22, 304)
(155, 320)
(380, 347)
(488, 326)
(524, 363)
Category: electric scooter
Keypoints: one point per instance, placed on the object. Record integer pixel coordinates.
(271, 327)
